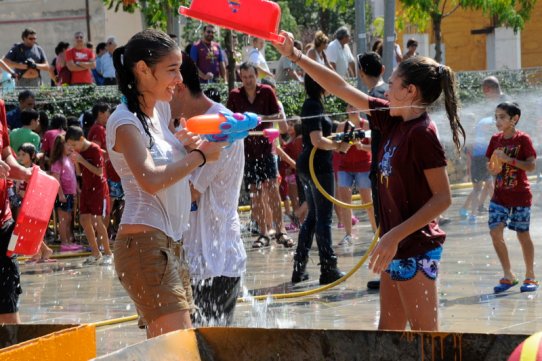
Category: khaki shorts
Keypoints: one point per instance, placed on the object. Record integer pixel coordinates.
(150, 269)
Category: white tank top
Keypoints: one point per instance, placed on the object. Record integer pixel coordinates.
(168, 210)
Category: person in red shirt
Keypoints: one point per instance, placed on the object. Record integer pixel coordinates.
(10, 278)
(354, 168)
(414, 188)
(94, 198)
(512, 155)
(80, 61)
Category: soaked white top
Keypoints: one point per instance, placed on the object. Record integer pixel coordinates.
(169, 208)
(213, 244)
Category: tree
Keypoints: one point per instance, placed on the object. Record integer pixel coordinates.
(510, 13)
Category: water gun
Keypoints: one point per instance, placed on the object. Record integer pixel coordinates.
(223, 127)
(349, 134)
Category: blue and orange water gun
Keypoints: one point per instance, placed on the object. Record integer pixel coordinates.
(223, 127)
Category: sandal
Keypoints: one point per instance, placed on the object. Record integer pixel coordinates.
(529, 285)
(259, 243)
(504, 285)
(283, 239)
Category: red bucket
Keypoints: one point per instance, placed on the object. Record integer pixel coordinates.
(260, 18)
(34, 214)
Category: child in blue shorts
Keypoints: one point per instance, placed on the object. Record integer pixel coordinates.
(511, 155)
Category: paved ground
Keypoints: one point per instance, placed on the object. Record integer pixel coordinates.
(68, 292)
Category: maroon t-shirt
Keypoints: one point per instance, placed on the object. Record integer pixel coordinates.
(406, 150)
(96, 134)
(91, 183)
(265, 103)
(512, 187)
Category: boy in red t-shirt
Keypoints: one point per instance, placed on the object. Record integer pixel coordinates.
(94, 198)
(511, 155)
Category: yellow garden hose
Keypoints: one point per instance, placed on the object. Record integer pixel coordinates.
(328, 196)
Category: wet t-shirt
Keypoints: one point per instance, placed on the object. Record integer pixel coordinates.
(512, 187)
(407, 149)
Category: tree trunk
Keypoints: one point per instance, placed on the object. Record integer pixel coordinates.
(228, 44)
(437, 29)
(325, 20)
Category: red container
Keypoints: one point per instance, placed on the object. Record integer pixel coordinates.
(260, 18)
(34, 214)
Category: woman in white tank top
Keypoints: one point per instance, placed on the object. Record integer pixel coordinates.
(153, 164)
(318, 50)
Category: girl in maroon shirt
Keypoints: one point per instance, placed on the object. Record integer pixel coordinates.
(414, 188)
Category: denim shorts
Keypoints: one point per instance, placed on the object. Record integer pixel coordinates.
(515, 218)
(359, 179)
(65, 206)
(406, 269)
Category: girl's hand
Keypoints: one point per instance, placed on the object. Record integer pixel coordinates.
(75, 157)
(190, 140)
(383, 253)
(287, 48)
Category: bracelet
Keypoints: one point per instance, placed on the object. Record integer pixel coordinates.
(202, 155)
(299, 55)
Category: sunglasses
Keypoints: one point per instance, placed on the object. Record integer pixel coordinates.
(32, 38)
(79, 37)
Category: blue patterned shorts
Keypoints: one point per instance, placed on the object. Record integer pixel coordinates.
(515, 218)
(405, 269)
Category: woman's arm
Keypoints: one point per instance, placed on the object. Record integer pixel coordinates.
(153, 178)
(321, 142)
(437, 178)
(327, 78)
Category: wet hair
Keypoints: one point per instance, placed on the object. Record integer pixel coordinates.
(59, 122)
(58, 148)
(29, 149)
(247, 66)
(61, 46)
(342, 33)
(25, 94)
(511, 108)
(189, 72)
(98, 108)
(313, 89)
(74, 133)
(370, 63)
(27, 32)
(149, 46)
(28, 115)
(412, 42)
(320, 38)
(431, 79)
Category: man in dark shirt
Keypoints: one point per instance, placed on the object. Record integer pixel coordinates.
(28, 59)
(27, 100)
(260, 163)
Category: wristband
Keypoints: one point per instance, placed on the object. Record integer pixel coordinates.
(298, 55)
(202, 155)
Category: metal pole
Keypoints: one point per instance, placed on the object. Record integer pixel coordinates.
(361, 34)
(87, 14)
(389, 38)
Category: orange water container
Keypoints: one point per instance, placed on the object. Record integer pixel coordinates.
(259, 18)
(34, 214)
(205, 124)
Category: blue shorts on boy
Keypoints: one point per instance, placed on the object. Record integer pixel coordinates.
(515, 218)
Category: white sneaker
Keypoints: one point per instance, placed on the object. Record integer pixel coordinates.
(346, 241)
(91, 260)
(107, 260)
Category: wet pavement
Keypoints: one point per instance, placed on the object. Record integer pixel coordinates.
(67, 292)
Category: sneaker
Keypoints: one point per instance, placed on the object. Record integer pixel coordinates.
(373, 285)
(529, 285)
(463, 213)
(346, 241)
(107, 260)
(91, 260)
(355, 220)
(472, 219)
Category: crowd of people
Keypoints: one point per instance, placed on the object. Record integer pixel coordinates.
(180, 234)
